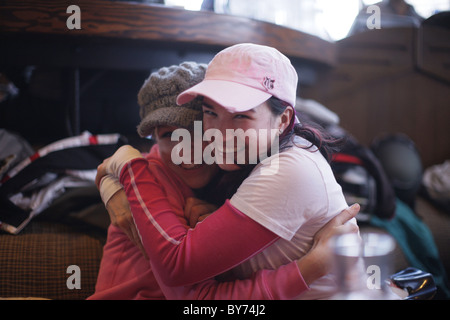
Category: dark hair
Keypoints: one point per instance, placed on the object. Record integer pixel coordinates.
(306, 129)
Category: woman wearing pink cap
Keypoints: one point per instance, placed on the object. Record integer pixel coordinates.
(246, 87)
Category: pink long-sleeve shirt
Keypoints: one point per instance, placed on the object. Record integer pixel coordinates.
(184, 261)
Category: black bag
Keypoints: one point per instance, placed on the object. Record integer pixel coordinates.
(373, 185)
(401, 161)
(31, 186)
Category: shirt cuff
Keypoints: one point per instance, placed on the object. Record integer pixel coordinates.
(108, 187)
(123, 155)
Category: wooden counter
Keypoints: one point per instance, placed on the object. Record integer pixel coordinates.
(132, 39)
(159, 27)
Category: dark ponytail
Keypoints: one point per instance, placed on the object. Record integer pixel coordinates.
(314, 133)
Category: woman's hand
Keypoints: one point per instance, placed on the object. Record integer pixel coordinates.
(114, 196)
(196, 210)
(120, 213)
(113, 165)
(318, 261)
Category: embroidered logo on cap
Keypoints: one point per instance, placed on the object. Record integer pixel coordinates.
(268, 83)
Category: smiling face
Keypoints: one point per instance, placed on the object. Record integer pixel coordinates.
(256, 124)
(194, 175)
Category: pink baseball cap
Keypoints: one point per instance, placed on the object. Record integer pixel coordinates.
(245, 75)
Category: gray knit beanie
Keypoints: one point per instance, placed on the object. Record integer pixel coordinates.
(157, 98)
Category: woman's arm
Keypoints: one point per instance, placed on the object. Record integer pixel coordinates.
(284, 283)
(116, 203)
(183, 256)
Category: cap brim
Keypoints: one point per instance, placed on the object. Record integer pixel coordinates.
(233, 96)
(171, 116)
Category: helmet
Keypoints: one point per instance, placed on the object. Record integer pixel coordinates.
(401, 161)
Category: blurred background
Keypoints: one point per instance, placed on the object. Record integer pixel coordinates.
(376, 72)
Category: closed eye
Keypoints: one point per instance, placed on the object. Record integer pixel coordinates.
(209, 113)
(208, 110)
(167, 134)
(241, 116)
